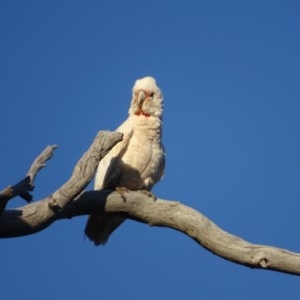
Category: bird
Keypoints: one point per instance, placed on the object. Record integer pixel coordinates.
(135, 163)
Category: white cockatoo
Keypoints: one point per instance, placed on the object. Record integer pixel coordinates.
(135, 163)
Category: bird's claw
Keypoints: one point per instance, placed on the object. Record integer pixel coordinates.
(121, 191)
(149, 194)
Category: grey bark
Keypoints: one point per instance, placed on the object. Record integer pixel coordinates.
(26, 185)
(71, 201)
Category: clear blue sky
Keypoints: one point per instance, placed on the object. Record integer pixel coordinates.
(230, 74)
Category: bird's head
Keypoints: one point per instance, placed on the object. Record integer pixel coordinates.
(147, 99)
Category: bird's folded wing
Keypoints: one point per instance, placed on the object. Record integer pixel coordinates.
(107, 172)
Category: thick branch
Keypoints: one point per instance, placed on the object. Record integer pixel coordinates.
(85, 169)
(26, 185)
(69, 201)
(163, 213)
(44, 212)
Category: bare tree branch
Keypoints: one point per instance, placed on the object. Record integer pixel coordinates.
(47, 208)
(26, 185)
(39, 163)
(69, 201)
(162, 213)
(84, 170)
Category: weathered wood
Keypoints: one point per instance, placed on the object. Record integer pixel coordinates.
(70, 201)
(85, 169)
(26, 185)
(37, 216)
(162, 213)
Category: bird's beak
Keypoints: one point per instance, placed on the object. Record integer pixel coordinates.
(141, 96)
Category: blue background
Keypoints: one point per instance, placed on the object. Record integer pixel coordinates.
(230, 74)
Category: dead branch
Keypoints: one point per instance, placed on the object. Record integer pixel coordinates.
(26, 185)
(46, 210)
(69, 201)
(162, 213)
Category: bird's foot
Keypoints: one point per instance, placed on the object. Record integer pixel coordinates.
(149, 194)
(121, 191)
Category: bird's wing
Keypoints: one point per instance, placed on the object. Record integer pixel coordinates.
(107, 173)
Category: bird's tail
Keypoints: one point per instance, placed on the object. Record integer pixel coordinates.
(99, 227)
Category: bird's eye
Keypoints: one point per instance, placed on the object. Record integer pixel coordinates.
(151, 94)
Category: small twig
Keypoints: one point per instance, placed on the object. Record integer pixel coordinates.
(40, 162)
(26, 185)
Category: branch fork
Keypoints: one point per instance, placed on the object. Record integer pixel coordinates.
(70, 200)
